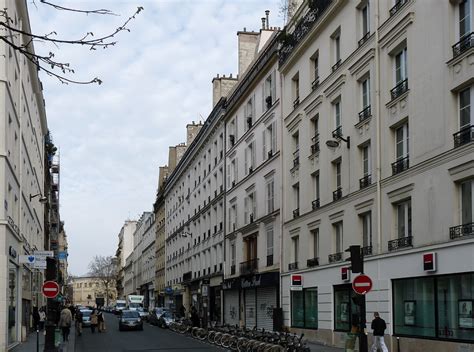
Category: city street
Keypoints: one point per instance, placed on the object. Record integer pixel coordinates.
(152, 338)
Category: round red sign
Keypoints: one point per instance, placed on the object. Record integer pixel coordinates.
(50, 289)
(362, 284)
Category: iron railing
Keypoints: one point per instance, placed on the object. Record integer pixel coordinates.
(296, 212)
(337, 133)
(365, 114)
(364, 38)
(312, 262)
(293, 266)
(335, 257)
(296, 158)
(399, 89)
(315, 83)
(315, 204)
(337, 194)
(270, 260)
(367, 250)
(461, 231)
(315, 145)
(249, 267)
(464, 136)
(403, 242)
(398, 5)
(365, 181)
(400, 165)
(466, 43)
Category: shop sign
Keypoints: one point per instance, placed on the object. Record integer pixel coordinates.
(345, 274)
(429, 261)
(296, 282)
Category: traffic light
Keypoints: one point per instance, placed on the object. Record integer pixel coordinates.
(355, 259)
(51, 269)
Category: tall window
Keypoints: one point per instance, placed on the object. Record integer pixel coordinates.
(467, 202)
(365, 19)
(269, 231)
(250, 207)
(337, 169)
(337, 48)
(233, 217)
(365, 93)
(401, 72)
(315, 239)
(232, 253)
(250, 158)
(270, 191)
(465, 108)
(315, 70)
(304, 308)
(404, 219)
(338, 237)
(316, 185)
(402, 141)
(337, 114)
(269, 141)
(366, 159)
(249, 112)
(296, 89)
(269, 91)
(366, 219)
(464, 18)
(295, 245)
(296, 196)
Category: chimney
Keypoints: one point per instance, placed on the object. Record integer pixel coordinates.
(192, 130)
(163, 173)
(263, 23)
(267, 12)
(221, 86)
(248, 43)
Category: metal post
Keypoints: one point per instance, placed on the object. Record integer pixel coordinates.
(37, 339)
(363, 344)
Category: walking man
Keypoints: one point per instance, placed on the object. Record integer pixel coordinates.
(65, 321)
(378, 326)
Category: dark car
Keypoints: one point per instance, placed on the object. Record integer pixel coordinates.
(130, 320)
(166, 319)
(155, 314)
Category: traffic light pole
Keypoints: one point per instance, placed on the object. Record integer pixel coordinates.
(363, 344)
(51, 309)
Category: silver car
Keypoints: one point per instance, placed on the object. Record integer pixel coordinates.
(86, 317)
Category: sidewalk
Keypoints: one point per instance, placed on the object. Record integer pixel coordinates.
(316, 347)
(30, 344)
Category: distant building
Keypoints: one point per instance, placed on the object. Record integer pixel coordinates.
(125, 248)
(87, 289)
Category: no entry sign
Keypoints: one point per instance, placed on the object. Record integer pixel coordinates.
(50, 289)
(362, 284)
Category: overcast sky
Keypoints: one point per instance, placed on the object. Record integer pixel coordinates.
(112, 138)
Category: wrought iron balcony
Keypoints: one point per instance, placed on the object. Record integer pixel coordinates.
(399, 89)
(365, 181)
(312, 262)
(232, 270)
(466, 43)
(296, 212)
(270, 260)
(231, 139)
(336, 257)
(296, 102)
(461, 231)
(270, 153)
(400, 165)
(296, 158)
(364, 38)
(315, 204)
(337, 194)
(367, 250)
(365, 114)
(249, 267)
(269, 101)
(337, 133)
(315, 145)
(464, 136)
(336, 65)
(403, 242)
(293, 266)
(249, 122)
(398, 5)
(315, 83)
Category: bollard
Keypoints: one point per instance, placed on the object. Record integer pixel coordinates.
(37, 339)
(398, 344)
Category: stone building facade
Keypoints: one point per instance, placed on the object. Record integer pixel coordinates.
(87, 288)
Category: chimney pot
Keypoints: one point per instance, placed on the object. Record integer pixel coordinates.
(263, 22)
(267, 13)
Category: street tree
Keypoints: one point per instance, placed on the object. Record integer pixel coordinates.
(20, 39)
(105, 270)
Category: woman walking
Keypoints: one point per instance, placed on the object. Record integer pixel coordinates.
(65, 321)
(94, 321)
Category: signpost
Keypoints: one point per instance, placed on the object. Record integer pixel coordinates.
(50, 289)
(362, 284)
(40, 259)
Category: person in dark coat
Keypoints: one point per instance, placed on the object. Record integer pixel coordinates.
(182, 312)
(194, 317)
(378, 326)
(36, 318)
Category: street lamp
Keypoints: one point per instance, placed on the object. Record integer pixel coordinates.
(42, 198)
(337, 135)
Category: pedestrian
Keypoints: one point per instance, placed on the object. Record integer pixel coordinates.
(194, 317)
(101, 322)
(36, 318)
(65, 322)
(79, 317)
(378, 326)
(182, 312)
(353, 334)
(94, 320)
(42, 318)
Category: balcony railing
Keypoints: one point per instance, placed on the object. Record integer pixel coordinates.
(293, 266)
(337, 133)
(398, 5)
(365, 181)
(232, 139)
(365, 114)
(315, 83)
(296, 102)
(337, 194)
(464, 136)
(315, 204)
(399, 89)
(400, 165)
(312, 262)
(403, 242)
(336, 257)
(367, 250)
(364, 38)
(249, 267)
(296, 212)
(296, 158)
(270, 260)
(466, 43)
(232, 270)
(249, 122)
(461, 231)
(336, 65)
(315, 145)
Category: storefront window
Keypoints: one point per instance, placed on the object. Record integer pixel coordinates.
(345, 310)
(439, 306)
(304, 308)
(12, 303)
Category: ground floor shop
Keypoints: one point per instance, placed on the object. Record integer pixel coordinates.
(424, 309)
(251, 301)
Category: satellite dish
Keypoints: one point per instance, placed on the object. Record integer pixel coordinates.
(332, 143)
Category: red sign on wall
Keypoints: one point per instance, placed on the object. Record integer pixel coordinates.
(296, 282)
(345, 273)
(429, 261)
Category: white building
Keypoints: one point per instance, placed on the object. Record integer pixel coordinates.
(390, 85)
(252, 242)
(125, 248)
(23, 128)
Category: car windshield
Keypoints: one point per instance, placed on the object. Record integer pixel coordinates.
(120, 305)
(129, 314)
(86, 313)
(134, 305)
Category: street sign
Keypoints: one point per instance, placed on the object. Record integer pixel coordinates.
(296, 282)
(40, 263)
(362, 284)
(50, 289)
(27, 259)
(62, 255)
(43, 254)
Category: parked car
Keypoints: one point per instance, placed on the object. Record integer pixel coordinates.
(155, 314)
(166, 319)
(86, 317)
(143, 313)
(130, 320)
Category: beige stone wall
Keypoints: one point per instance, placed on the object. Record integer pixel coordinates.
(84, 287)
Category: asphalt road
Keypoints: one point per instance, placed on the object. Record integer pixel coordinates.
(151, 339)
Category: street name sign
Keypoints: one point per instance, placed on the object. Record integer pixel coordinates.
(362, 284)
(50, 289)
(27, 259)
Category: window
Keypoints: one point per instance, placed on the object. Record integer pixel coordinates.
(337, 170)
(366, 160)
(232, 253)
(338, 237)
(269, 91)
(465, 108)
(295, 245)
(269, 141)
(366, 220)
(269, 231)
(250, 207)
(296, 196)
(401, 66)
(365, 20)
(233, 217)
(315, 70)
(296, 89)
(365, 85)
(250, 158)
(315, 134)
(345, 310)
(316, 189)
(304, 308)
(315, 238)
(464, 18)
(337, 48)
(296, 148)
(337, 114)
(270, 186)
(402, 142)
(403, 210)
(249, 113)
(467, 202)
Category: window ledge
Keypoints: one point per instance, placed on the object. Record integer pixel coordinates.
(393, 102)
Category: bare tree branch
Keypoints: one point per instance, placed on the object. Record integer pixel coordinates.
(104, 269)
(99, 12)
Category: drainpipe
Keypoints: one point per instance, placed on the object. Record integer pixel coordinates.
(378, 130)
(282, 208)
